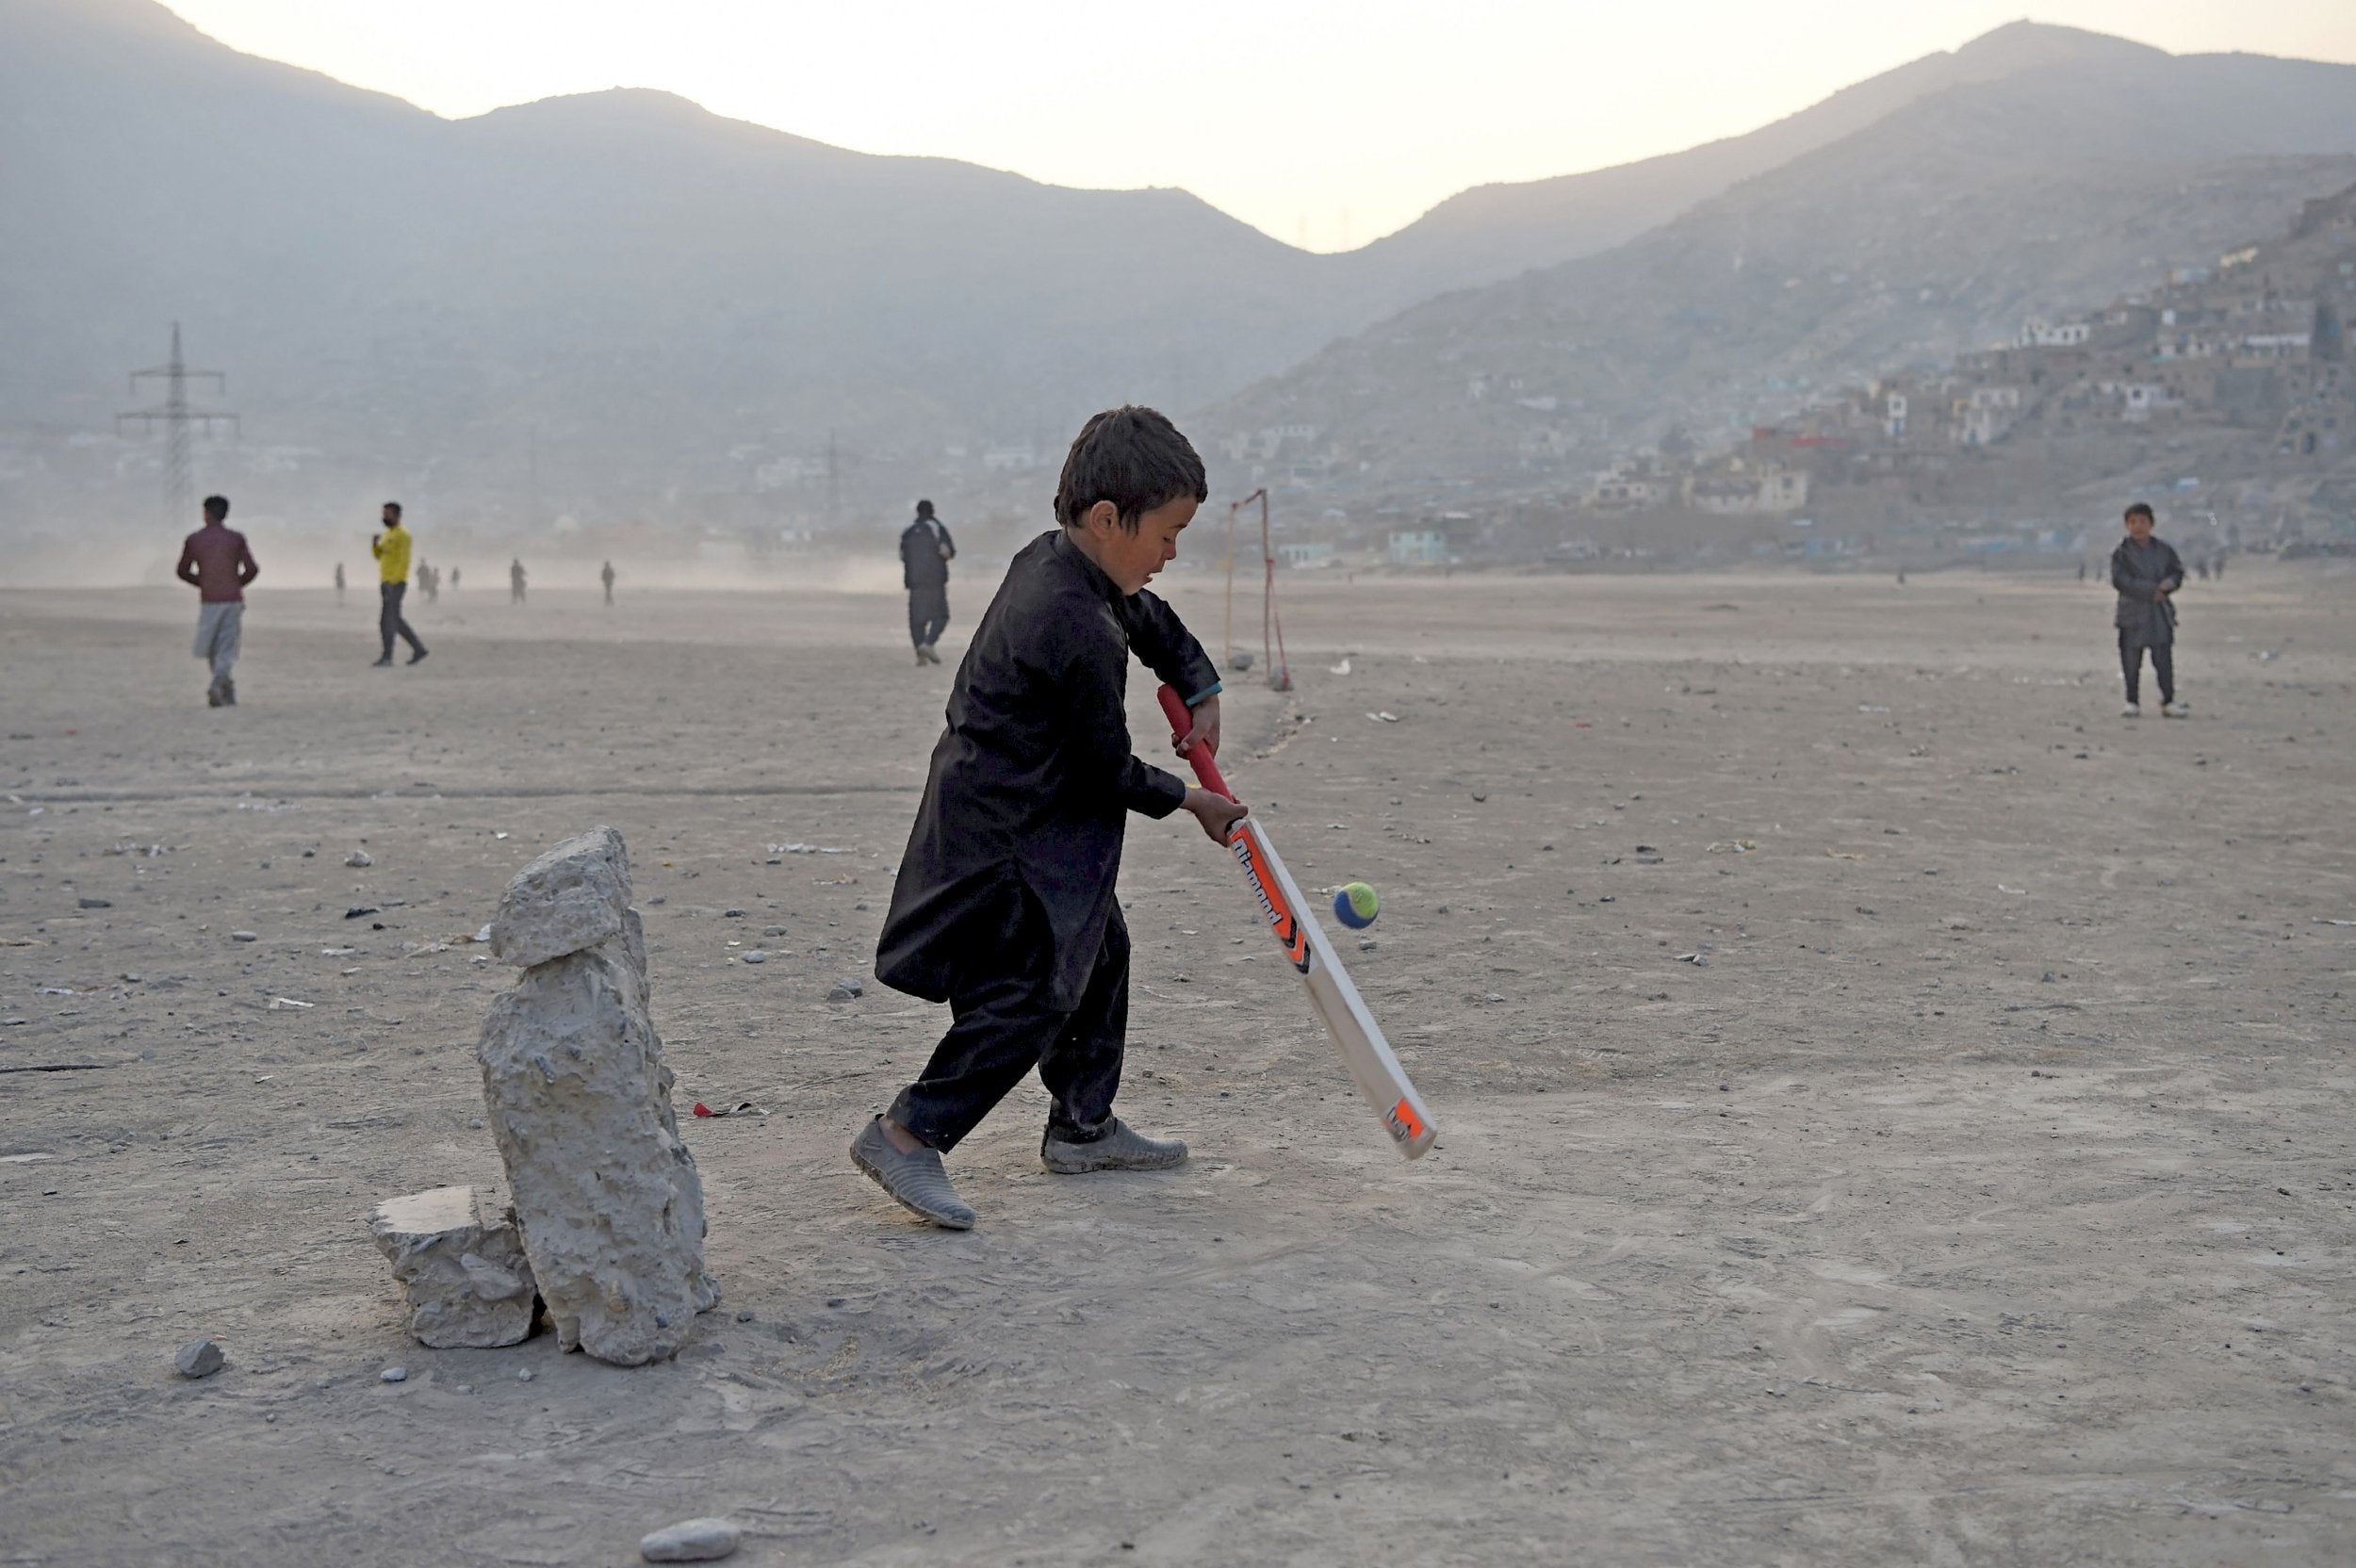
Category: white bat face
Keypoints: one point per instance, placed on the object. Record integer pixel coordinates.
(1339, 1007)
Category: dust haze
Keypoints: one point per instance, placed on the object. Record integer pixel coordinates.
(1893, 1104)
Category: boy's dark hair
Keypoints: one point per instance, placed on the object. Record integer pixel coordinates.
(393, 507)
(1133, 457)
(216, 507)
(924, 509)
(2142, 509)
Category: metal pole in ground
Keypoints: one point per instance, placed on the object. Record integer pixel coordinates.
(1227, 652)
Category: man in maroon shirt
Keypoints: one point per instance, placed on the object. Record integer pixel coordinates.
(217, 562)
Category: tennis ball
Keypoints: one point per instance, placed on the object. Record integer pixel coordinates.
(1356, 906)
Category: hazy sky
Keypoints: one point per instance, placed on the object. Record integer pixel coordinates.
(1325, 122)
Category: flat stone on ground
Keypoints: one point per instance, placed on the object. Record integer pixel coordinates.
(691, 1541)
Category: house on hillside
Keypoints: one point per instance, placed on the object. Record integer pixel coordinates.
(1985, 414)
(1434, 542)
(1736, 488)
(1631, 484)
(2037, 333)
(1267, 443)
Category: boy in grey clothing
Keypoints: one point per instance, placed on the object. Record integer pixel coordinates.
(2147, 572)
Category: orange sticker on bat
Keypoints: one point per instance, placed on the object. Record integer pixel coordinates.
(1286, 925)
(1405, 1125)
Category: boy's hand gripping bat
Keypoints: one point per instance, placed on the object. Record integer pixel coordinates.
(1378, 1075)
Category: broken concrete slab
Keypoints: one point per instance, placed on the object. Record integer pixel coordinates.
(571, 898)
(461, 1264)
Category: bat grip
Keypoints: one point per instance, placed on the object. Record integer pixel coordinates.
(1181, 719)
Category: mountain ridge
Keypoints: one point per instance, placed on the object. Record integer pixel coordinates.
(621, 304)
(1937, 230)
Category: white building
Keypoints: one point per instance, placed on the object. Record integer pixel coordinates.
(1988, 413)
(2036, 333)
(1418, 546)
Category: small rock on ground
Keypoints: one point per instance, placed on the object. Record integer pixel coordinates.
(394, 1375)
(844, 991)
(199, 1359)
(692, 1540)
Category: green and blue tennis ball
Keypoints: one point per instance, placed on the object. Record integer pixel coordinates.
(1356, 906)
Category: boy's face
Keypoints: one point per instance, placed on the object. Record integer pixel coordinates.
(1131, 558)
(2138, 527)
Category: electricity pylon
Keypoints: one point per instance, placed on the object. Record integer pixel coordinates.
(177, 417)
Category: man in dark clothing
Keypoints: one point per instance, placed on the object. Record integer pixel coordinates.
(2147, 571)
(1004, 903)
(216, 560)
(926, 551)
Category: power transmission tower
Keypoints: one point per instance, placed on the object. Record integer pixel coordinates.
(177, 418)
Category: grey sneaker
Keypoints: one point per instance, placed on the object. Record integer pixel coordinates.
(1123, 1148)
(2174, 711)
(915, 1181)
(2131, 711)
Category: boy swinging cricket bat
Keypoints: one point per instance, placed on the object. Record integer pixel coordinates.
(1003, 907)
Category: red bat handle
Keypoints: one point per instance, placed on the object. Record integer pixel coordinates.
(1181, 719)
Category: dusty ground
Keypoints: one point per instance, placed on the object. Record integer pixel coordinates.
(1984, 1197)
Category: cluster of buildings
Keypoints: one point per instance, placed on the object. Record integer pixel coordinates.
(2238, 371)
(2258, 345)
(1729, 484)
(2252, 353)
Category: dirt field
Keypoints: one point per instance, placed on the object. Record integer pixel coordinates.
(1894, 1110)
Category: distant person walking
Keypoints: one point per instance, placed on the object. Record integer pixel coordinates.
(926, 551)
(516, 580)
(453, 580)
(340, 585)
(2147, 572)
(607, 578)
(215, 560)
(391, 549)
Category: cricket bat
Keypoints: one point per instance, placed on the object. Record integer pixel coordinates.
(1343, 1011)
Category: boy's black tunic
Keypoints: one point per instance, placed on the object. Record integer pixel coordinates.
(1030, 783)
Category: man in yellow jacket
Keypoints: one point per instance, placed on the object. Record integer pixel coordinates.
(391, 549)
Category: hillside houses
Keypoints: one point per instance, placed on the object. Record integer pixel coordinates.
(1730, 486)
(2258, 342)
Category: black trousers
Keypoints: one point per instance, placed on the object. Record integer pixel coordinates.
(389, 624)
(928, 613)
(2131, 651)
(1004, 1025)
